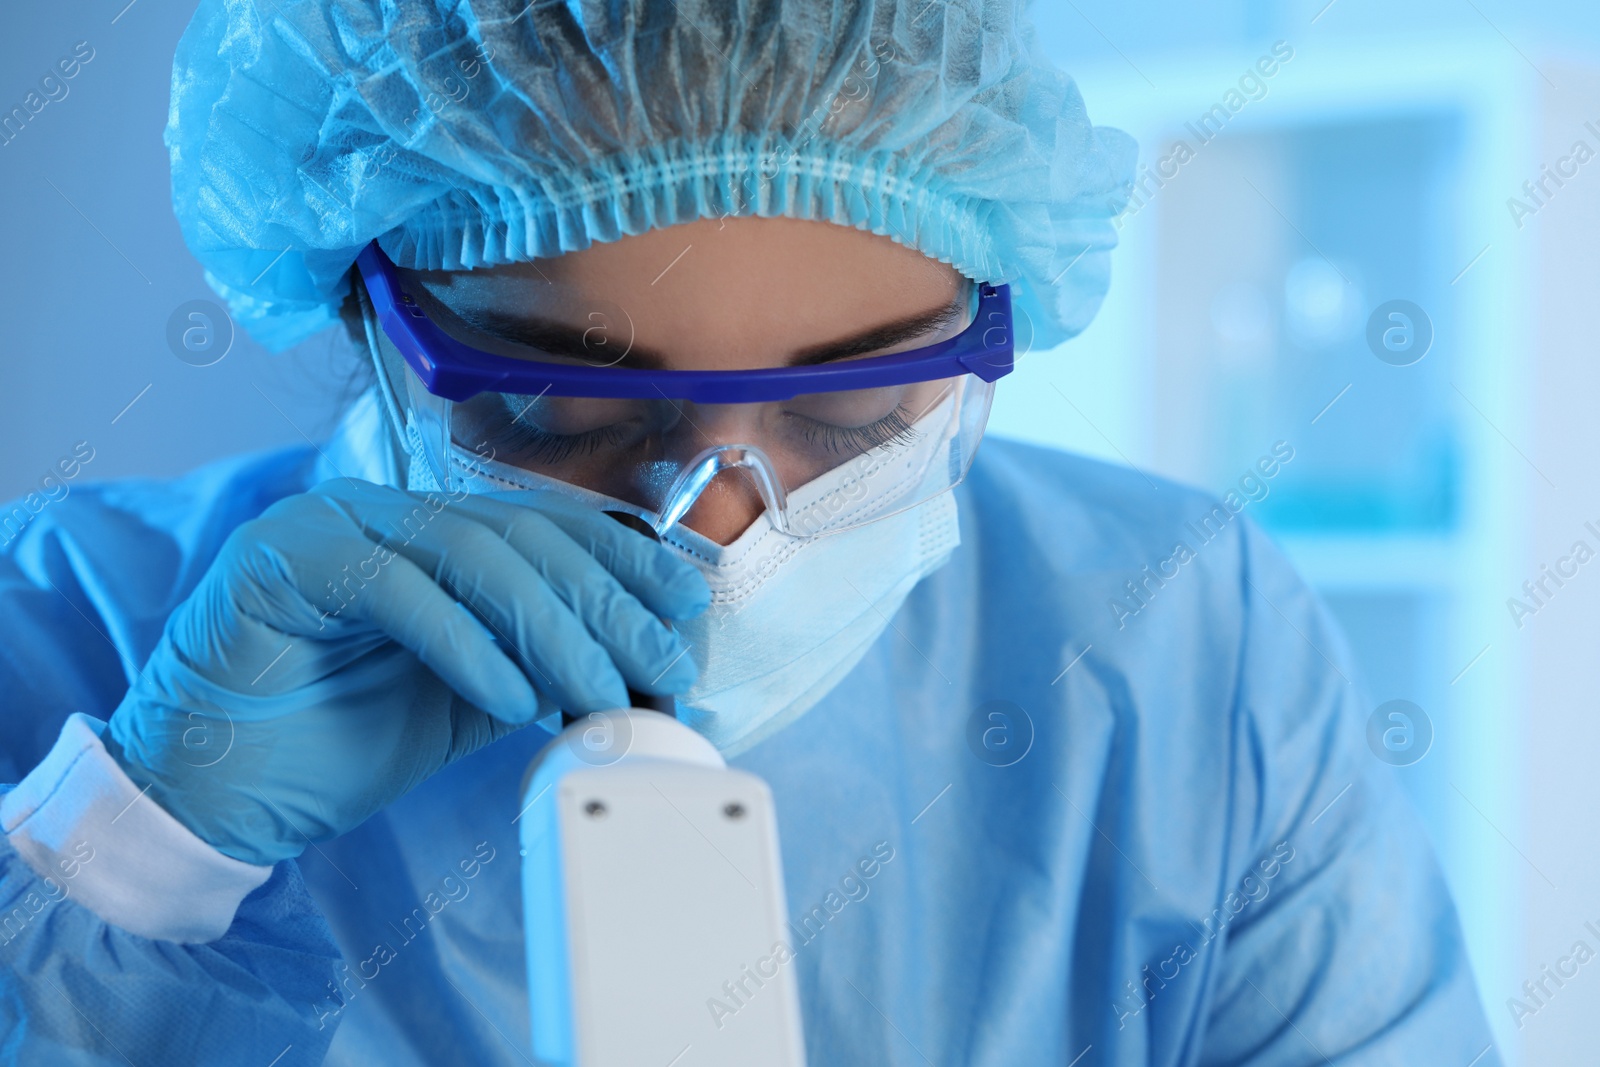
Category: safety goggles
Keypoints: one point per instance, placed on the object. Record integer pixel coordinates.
(826, 446)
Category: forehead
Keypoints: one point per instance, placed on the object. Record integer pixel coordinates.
(725, 283)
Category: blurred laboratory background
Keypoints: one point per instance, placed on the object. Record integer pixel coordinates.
(1364, 231)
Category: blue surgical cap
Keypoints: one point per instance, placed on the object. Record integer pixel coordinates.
(468, 133)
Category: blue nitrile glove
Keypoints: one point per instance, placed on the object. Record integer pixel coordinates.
(307, 683)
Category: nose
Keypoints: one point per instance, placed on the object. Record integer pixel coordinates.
(725, 508)
(721, 491)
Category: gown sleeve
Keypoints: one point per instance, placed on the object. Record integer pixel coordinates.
(75, 989)
(209, 960)
(1342, 944)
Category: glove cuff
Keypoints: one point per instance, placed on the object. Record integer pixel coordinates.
(80, 821)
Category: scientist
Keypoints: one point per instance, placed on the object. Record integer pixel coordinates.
(751, 272)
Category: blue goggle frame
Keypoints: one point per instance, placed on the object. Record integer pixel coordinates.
(456, 371)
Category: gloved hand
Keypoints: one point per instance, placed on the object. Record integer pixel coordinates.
(307, 683)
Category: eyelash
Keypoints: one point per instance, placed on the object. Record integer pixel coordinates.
(537, 446)
(842, 440)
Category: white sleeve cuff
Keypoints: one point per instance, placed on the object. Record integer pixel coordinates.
(78, 820)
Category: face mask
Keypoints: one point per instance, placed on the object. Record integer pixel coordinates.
(789, 617)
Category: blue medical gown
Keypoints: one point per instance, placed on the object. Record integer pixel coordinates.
(1174, 849)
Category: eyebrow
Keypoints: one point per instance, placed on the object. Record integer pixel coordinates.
(558, 339)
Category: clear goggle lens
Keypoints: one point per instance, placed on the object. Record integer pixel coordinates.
(818, 462)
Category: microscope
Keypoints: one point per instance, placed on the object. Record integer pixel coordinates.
(653, 901)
